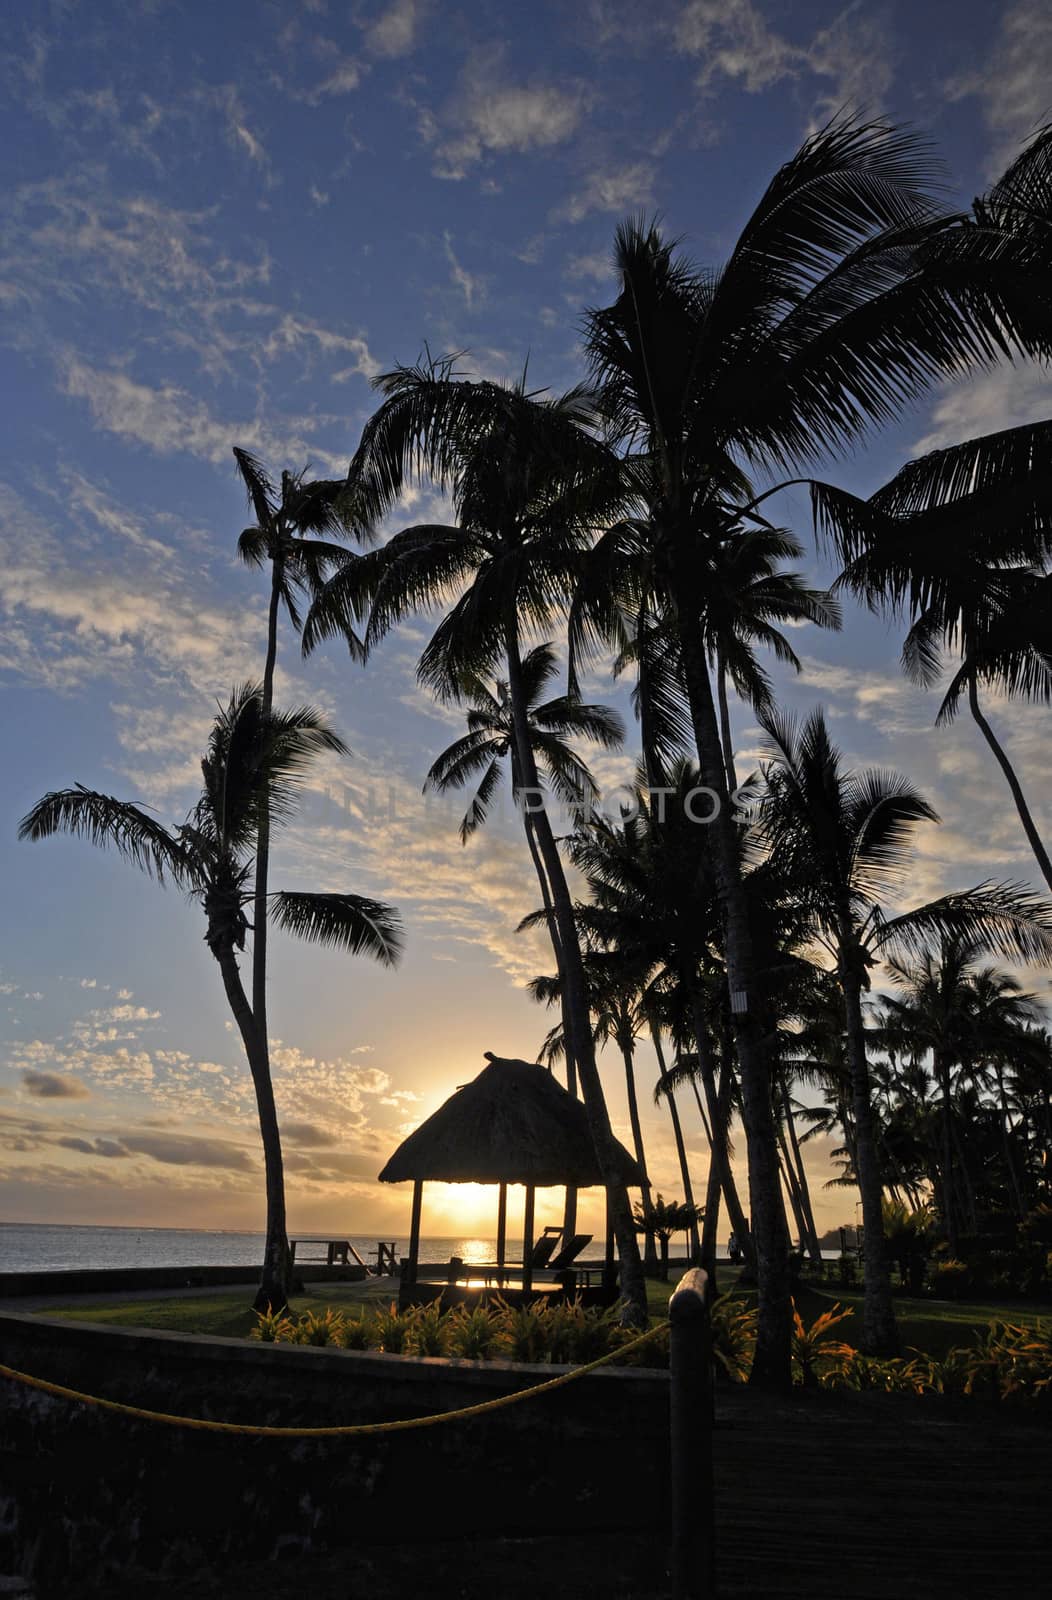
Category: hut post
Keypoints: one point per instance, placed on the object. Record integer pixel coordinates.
(414, 1230)
(527, 1240)
(502, 1231)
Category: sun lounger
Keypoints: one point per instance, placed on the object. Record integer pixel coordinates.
(569, 1252)
(541, 1254)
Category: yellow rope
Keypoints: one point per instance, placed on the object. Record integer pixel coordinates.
(348, 1431)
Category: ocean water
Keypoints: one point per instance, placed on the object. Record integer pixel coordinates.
(50, 1247)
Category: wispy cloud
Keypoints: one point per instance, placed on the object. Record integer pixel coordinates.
(610, 189)
(395, 31)
(491, 114)
(1014, 84)
(848, 62)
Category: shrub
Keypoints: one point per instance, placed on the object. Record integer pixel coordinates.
(390, 1329)
(734, 1335)
(428, 1330)
(474, 1333)
(358, 1332)
(951, 1277)
(525, 1331)
(320, 1327)
(815, 1352)
(273, 1327)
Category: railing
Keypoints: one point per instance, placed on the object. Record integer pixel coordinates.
(690, 1432)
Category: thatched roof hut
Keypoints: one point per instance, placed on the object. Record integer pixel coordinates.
(512, 1124)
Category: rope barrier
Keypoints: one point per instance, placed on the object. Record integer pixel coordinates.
(350, 1430)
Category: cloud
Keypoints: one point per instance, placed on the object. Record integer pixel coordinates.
(737, 44)
(92, 1147)
(394, 31)
(188, 1150)
(308, 1135)
(987, 402)
(490, 114)
(609, 189)
(597, 267)
(1014, 85)
(171, 421)
(54, 1086)
(470, 284)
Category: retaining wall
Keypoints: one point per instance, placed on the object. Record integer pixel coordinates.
(84, 1493)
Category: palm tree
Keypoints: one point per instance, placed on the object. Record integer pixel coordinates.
(666, 1218)
(969, 1018)
(819, 325)
(959, 542)
(653, 903)
(252, 760)
(288, 532)
(844, 838)
(529, 483)
(490, 741)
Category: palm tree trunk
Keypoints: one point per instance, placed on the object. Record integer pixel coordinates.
(949, 1196)
(710, 1227)
(725, 724)
(275, 1280)
(276, 1249)
(1029, 827)
(1006, 1137)
(677, 1130)
(772, 1363)
(570, 1201)
(813, 1247)
(633, 1284)
(879, 1333)
(719, 1136)
(649, 1252)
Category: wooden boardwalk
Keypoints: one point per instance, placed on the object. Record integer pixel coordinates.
(819, 1497)
(879, 1496)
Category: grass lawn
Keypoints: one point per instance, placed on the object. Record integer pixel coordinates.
(933, 1326)
(228, 1314)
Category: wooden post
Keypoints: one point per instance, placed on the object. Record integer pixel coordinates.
(414, 1230)
(527, 1240)
(690, 1439)
(502, 1232)
(609, 1267)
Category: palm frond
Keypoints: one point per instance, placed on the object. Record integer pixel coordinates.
(105, 821)
(345, 921)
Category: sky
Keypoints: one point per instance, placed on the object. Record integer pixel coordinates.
(217, 225)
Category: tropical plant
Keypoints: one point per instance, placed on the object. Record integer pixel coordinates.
(290, 533)
(529, 483)
(252, 760)
(819, 325)
(666, 1218)
(843, 838)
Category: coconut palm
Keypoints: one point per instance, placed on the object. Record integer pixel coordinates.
(972, 1019)
(252, 760)
(959, 543)
(666, 1218)
(615, 993)
(490, 743)
(289, 533)
(529, 483)
(819, 325)
(844, 838)
(650, 881)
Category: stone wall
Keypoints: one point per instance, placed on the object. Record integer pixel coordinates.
(84, 1492)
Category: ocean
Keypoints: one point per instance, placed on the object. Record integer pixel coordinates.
(53, 1247)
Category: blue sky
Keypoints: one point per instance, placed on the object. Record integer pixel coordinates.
(218, 222)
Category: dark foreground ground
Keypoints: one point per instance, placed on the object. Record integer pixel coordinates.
(832, 1496)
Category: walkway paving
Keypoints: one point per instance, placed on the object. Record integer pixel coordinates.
(847, 1497)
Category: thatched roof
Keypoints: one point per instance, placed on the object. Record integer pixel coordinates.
(512, 1124)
